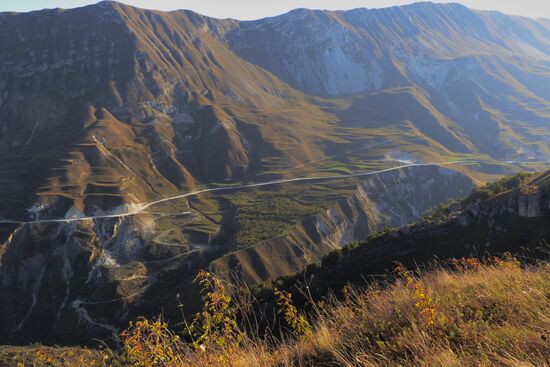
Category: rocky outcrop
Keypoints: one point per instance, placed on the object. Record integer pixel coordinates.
(72, 282)
(531, 205)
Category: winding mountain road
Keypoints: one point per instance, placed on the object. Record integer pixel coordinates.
(143, 209)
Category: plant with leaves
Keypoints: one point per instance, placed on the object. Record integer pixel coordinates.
(215, 328)
(151, 344)
(424, 302)
(293, 318)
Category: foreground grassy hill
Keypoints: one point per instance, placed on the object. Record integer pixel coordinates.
(468, 314)
(477, 315)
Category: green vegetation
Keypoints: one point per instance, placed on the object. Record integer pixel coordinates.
(268, 215)
(492, 189)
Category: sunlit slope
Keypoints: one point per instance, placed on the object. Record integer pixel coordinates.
(484, 74)
(149, 101)
(198, 100)
(346, 48)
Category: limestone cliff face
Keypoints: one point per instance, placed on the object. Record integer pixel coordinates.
(72, 282)
(533, 203)
(348, 52)
(391, 199)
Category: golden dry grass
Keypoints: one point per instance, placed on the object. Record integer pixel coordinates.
(475, 315)
(51, 356)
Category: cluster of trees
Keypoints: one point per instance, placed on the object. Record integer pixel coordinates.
(492, 189)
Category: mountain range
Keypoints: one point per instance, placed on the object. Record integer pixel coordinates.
(106, 108)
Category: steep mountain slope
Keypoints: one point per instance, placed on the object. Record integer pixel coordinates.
(195, 110)
(153, 81)
(482, 76)
(352, 51)
(106, 108)
(101, 274)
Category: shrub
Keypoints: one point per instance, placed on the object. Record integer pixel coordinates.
(215, 328)
(296, 321)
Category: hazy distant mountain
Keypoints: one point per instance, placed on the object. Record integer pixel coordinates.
(470, 80)
(106, 107)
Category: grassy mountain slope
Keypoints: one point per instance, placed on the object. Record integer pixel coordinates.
(208, 100)
(483, 79)
(390, 199)
(184, 99)
(490, 315)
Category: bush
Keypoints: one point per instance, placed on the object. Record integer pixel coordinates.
(492, 189)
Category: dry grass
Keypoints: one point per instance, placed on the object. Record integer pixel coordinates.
(51, 356)
(476, 315)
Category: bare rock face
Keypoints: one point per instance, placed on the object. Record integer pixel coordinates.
(531, 205)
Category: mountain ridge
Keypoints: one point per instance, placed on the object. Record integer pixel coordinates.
(416, 3)
(504, 218)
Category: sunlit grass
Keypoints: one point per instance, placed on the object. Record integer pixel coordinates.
(474, 315)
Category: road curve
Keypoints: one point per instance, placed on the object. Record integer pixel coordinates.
(142, 209)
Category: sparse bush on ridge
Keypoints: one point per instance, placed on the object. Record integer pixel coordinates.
(492, 189)
(492, 314)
